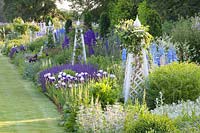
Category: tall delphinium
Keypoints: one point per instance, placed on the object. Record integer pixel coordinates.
(90, 40)
(65, 43)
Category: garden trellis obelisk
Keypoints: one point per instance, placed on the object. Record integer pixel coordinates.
(137, 64)
(78, 37)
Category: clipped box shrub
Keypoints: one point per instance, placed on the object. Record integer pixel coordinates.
(147, 122)
(106, 90)
(176, 82)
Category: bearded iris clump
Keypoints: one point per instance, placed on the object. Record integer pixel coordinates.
(15, 50)
(78, 68)
(70, 79)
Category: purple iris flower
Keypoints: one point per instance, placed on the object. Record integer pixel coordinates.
(21, 48)
(13, 51)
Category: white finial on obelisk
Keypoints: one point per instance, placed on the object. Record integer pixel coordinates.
(137, 22)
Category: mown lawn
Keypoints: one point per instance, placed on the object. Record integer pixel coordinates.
(23, 109)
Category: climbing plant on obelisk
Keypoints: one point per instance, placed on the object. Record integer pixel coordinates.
(136, 39)
(78, 40)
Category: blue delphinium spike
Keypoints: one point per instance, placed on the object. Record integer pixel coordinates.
(65, 44)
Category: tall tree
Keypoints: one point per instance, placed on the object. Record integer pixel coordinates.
(28, 9)
(1, 11)
(124, 9)
(173, 9)
(85, 5)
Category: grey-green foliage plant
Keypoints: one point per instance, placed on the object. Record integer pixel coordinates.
(31, 70)
(95, 119)
(175, 81)
(188, 123)
(167, 27)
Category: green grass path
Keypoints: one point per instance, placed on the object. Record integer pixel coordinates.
(23, 109)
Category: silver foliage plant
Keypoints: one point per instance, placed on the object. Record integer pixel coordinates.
(95, 119)
(174, 110)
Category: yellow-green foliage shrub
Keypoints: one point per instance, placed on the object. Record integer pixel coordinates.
(147, 122)
(176, 81)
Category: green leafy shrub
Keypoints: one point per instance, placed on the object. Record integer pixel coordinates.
(56, 23)
(50, 41)
(88, 20)
(75, 97)
(37, 44)
(48, 19)
(167, 27)
(2, 44)
(20, 26)
(101, 61)
(123, 9)
(19, 61)
(150, 17)
(33, 28)
(175, 81)
(104, 24)
(68, 24)
(9, 28)
(11, 43)
(147, 122)
(63, 57)
(106, 90)
(70, 72)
